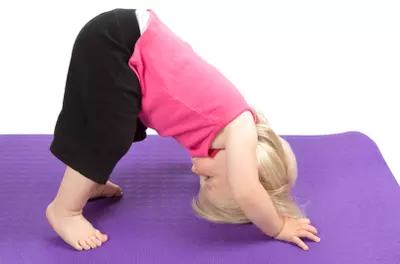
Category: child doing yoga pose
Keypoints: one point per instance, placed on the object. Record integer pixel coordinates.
(129, 72)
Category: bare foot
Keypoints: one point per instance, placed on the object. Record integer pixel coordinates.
(107, 190)
(74, 229)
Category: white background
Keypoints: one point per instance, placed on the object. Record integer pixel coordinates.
(313, 67)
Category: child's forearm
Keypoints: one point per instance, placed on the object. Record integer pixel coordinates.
(250, 195)
(256, 204)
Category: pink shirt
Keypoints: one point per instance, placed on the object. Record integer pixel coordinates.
(184, 97)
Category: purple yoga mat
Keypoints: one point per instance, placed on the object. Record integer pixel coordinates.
(348, 191)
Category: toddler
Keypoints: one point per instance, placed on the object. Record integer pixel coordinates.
(129, 72)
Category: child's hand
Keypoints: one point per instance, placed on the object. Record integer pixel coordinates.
(294, 229)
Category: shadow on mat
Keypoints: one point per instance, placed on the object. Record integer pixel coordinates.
(157, 184)
(100, 208)
(215, 236)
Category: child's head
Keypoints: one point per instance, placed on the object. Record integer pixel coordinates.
(277, 170)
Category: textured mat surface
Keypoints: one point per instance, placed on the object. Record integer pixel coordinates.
(350, 193)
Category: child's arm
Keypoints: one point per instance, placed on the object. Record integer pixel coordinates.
(250, 195)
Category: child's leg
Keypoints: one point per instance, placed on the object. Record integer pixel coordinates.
(97, 124)
(108, 190)
(65, 212)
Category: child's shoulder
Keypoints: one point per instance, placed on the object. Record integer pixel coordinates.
(247, 117)
(243, 126)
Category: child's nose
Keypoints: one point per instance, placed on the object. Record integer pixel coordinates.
(194, 170)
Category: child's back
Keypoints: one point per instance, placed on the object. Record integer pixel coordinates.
(183, 96)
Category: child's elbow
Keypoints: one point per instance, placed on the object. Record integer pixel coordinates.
(244, 193)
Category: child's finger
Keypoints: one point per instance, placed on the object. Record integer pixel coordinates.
(300, 243)
(309, 235)
(313, 237)
(309, 228)
(305, 221)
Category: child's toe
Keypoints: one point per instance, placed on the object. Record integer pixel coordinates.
(96, 241)
(103, 238)
(84, 245)
(91, 243)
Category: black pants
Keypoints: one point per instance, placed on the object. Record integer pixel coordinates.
(99, 118)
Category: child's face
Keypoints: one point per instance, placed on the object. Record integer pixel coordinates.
(214, 186)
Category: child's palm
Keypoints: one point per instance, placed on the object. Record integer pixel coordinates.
(295, 229)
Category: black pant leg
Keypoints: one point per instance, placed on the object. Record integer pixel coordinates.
(99, 117)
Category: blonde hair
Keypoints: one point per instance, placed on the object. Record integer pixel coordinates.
(275, 174)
